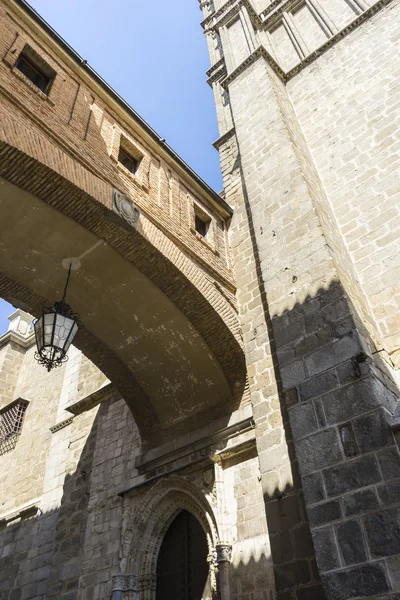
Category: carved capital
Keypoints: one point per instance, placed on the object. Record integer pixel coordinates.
(132, 583)
(119, 583)
(123, 206)
(147, 582)
(224, 553)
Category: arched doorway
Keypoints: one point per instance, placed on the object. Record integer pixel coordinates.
(182, 567)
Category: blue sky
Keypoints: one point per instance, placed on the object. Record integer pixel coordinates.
(154, 54)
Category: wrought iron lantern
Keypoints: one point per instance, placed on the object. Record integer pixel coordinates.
(55, 331)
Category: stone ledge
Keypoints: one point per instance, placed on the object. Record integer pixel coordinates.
(92, 400)
(61, 425)
(224, 138)
(26, 510)
(188, 445)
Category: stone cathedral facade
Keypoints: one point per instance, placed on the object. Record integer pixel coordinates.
(226, 426)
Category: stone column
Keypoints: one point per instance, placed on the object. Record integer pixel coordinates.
(224, 552)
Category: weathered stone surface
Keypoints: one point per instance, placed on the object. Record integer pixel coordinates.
(347, 437)
(372, 431)
(326, 549)
(349, 401)
(318, 451)
(352, 475)
(313, 488)
(303, 420)
(361, 581)
(389, 462)
(324, 513)
(359, 502)
(389, 493)
(318, 385)
(351, 542)
(383, 531)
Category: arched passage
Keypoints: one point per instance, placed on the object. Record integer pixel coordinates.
(148, 523)
(159, 331)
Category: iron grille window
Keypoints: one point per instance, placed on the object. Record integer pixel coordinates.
(11, 419)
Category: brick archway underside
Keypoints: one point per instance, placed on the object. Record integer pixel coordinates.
(201, 341)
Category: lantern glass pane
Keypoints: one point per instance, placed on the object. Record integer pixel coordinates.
(39, 333)
(73, 328)
(48, 328)
(62, 329)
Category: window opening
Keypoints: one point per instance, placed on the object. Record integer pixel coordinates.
(128, 161)
(202, 224)
(11, 420)
(34, 72)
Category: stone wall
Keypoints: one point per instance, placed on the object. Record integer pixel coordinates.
(321, 395)
(79, 494)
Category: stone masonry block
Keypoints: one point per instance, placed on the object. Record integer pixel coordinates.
(383, 531)
(303, 420)
(372, 431)
(324, 513)
(326, 549)
(359, 502)
(318, 451)
(351, 542)
(313, 488)
(349, 401)
(318, 385)
(332, 355)
(351, 475)
(389, 493)
(366, 580)
(389, 462)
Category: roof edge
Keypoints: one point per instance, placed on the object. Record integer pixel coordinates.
(83, 64)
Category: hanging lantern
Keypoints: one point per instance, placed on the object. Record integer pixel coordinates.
(55, 331)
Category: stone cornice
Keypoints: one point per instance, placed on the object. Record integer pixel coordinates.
(217, 71)
(215, 67)
(224, 138)
(88, 402)
(227, 12)
(285, 76)
(337, 37)
(200, 449)
(13, 336)
(259, 52)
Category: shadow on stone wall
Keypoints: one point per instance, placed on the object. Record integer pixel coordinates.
(338, 405)
(41, 556)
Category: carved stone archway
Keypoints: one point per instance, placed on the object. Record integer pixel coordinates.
(146, 525)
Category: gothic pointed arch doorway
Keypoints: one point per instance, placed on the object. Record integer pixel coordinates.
(182, 567)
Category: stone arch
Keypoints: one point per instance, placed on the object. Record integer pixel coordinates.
(149, 523)
(42, 167)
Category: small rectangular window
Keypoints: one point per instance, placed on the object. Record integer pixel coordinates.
(201, 225)
(35, 72)
(128, 161)
(11, 419)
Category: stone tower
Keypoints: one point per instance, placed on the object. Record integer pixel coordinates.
(307, 101)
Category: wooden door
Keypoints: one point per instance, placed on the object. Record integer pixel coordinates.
(182, 568)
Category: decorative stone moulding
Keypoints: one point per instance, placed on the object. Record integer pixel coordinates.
(264, 22)
(125, 209)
